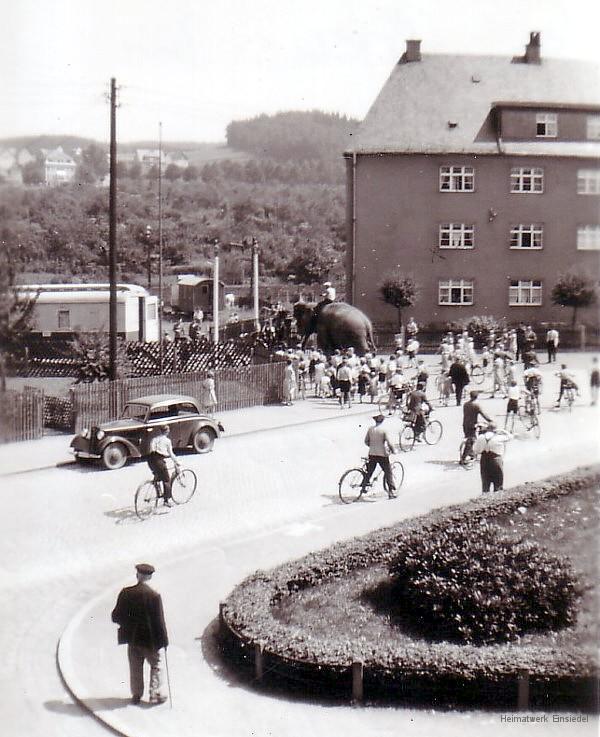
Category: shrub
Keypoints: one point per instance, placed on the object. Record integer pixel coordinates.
(480, 327)
(472, 584)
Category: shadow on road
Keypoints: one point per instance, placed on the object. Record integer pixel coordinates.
(447, 465)
(123, 515)
(74, 710)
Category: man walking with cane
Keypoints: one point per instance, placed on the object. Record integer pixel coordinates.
(139, 614)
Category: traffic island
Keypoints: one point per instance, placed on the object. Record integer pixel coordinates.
(336, 625)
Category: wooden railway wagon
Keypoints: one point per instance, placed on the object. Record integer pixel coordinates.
(68, 309)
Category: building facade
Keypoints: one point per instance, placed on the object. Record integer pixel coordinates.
(59, 167)
(480, 177)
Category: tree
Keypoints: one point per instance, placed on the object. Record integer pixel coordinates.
(572, 290)
(16, 314)
(173, 172)
(399, 291)
(33, 173)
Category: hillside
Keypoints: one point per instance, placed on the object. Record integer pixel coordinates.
(294, 205)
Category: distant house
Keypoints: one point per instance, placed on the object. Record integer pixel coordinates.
(179, 159)
(149, 157)
(59, 167)
(479, 176)
(10, 170)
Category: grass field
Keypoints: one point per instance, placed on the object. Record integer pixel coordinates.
(359, 606)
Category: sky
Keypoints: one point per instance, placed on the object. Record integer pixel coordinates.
(195, 65)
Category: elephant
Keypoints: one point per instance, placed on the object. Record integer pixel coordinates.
(338, 325)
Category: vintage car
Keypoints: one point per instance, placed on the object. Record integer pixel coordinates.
(129, 437)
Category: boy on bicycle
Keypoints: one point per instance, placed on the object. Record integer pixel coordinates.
(161, 448)
(566, 382)
(380, 445)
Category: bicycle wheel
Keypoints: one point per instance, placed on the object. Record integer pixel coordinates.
(407, 438)
(183, 486)
(477, 375)
(570, 400)
(146, 499)
(351, 485)
(433, 432)
(398, 475)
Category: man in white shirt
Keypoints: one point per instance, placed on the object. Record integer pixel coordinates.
(380, 445)
(161, 448)
(552, 344)
(490, 446)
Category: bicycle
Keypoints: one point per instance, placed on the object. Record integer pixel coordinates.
(183, 487)
(527, 416)
(468, 461)
(390, 403)
(432, 433)
(352, 485)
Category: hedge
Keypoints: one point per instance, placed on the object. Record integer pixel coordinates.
(423, 666)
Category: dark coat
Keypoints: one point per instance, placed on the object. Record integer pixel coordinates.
(458, 374)
(139, 614)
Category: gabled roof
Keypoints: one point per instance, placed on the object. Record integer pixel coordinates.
(443, 104)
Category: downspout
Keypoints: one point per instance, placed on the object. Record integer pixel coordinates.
(353, 275)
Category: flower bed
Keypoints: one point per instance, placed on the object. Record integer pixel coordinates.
(421, 669)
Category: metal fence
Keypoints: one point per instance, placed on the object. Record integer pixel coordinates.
(21, 415)
(236, 388)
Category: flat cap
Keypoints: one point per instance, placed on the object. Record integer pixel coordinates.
(145, 568)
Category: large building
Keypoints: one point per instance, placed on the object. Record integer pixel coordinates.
(480, 177)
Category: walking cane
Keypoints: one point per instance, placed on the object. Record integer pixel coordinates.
(168, 680)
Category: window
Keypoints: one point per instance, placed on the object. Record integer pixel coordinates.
(545, 125)
(525, 179)
(588, 181)
(151, 311)
(457, 178)
(593, 127)
(64, 319)
(455, 292)
(588, 238)
(525, 293)
(526, 236)
(456, 235)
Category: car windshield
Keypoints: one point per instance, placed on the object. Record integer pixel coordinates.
(134, 412)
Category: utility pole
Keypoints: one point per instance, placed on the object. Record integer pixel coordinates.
(160, 255)
(112, 235)
(216, 295)
(255, 283)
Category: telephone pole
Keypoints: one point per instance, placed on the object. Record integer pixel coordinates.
(160, 254)
(112, 234)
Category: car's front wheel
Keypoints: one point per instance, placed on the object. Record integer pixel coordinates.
(204, 439)
(114, 456)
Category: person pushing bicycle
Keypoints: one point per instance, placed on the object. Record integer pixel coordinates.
(380, 446)
(567, 381)
(471, 412)
(161, 448)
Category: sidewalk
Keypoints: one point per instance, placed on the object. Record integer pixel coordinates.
(53, 450)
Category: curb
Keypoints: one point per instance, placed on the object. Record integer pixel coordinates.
(72, 462)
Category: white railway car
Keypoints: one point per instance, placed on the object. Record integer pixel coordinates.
(66, 309)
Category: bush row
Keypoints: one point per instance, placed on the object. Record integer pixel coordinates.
(248, 611)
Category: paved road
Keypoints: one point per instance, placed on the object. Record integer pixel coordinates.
(68, 534)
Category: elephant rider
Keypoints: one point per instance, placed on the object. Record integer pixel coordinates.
(161, 448)
(328, 297)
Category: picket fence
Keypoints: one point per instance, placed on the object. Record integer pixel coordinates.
(21, 415)
(236, 388)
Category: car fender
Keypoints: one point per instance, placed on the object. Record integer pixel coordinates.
(200, 424)
(131, 448)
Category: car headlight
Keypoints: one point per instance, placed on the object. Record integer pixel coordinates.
(85, 433)
(100, 434)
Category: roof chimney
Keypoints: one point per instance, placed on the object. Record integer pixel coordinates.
(533, 49)
(413, 51)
